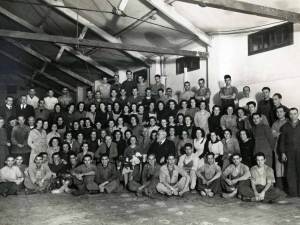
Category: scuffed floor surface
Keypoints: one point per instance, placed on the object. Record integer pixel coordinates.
(126, 208)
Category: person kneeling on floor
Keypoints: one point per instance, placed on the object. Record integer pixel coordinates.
(209, 176)
(150, 179)
(106, 177)
(37, 176)
(169, 178)
(11, 177)
(234, 176)
(262, 180)
(83, 177)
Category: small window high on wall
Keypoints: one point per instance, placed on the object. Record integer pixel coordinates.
(191, 63)
(271, 38)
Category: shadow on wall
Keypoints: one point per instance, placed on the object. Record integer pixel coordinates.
(157, 40)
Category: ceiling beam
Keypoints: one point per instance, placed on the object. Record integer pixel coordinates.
(48, 60)
(17, 73)
(50, 77)
(248, 8)
(136, 23)
(71, 50)
(100, 44)
(80, 19)
(170, 12)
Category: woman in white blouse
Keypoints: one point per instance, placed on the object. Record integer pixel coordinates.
(199, 145)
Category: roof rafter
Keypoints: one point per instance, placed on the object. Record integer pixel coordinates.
(50, 77)
(170, 12)
(73, 15)
(71, 50)
(101, 44)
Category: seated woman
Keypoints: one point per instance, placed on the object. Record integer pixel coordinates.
(75, 129)
(80, 113)
(153, 137)
(134, 126)
(192, 109)
(161, 111)
(120, 126)
(230, 146)
(88, 128)
(69, 115)
(200, 146)
(85, 150)
(246, 148)
(148, 99)
(215, 146)
(53, 133)
(173, 137)
(241, 116)
(229, 121)
(61, 126)
(150, 112)
(69, 138)
(188, 126)
(131, 171)
(214, 121)
(54, 146)
(116, 111)
(140, 114)
(101, 115)
(153, 126)
(184, 139)
(77, 143)
(180, 124)
(125, 114)
(121, 144)
(110, 128)
(201, 118)
(172, 108)
(183, 110)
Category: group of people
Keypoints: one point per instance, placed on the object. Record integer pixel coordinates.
(149, 141)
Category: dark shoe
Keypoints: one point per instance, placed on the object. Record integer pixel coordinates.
(30, 192)
(78, 193)
(12, 192)
(94, 192)
(270, 202)
(245, 199)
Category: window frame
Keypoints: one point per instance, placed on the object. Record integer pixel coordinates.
(187, 60)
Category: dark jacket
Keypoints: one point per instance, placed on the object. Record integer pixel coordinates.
(27, 112)
(5, 113)
(113, 151)
(289, 140)
(264, 140)
(162, 150)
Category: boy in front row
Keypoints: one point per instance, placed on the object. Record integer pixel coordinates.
(10, 178)
(262, 180)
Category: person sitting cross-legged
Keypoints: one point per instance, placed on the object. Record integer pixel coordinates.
(83, 177)
(169, 182)
(37, 176)
(234, 176)
(150, 177)
(65, 177)
(262, 180)
(189, 162)
(55, 168)
(106, 176)
(11, 177)
(209, 176)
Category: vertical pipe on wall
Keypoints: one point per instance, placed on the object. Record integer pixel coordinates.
(207, 68)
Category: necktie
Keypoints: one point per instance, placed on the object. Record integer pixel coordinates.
(159, 143)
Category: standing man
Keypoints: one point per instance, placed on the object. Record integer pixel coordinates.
(142, 86)
(187, 94)
(19, 138)
(262, 180)
(209, 176)
(265, 106)
(129, 83)
(203, 93)
(277, 98)
(116, 85)
(249, 119)
(170, 96)
(156, 86)
(263, 138)
(50, 101)
(89, 99)
(134, 98)
(228, 94)
(31, 98)
(162, 147)
(280, 167)
(24, 109)
(169, 182)
(104, 89)
(8, 109)
(65, 99)
(41, 111)
(289, 147)
(243, 102)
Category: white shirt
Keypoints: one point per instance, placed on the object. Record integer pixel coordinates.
(23, 106)
(32, 101)
(50, 102)
(9, 107)
(243, 102)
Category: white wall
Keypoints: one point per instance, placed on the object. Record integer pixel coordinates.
(278, 69)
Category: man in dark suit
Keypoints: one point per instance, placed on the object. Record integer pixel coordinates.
(8, 109)
(41, 111)
(162, 147)
(24, 109)
(109, 148)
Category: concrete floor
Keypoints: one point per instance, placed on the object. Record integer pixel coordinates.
(126, 208)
